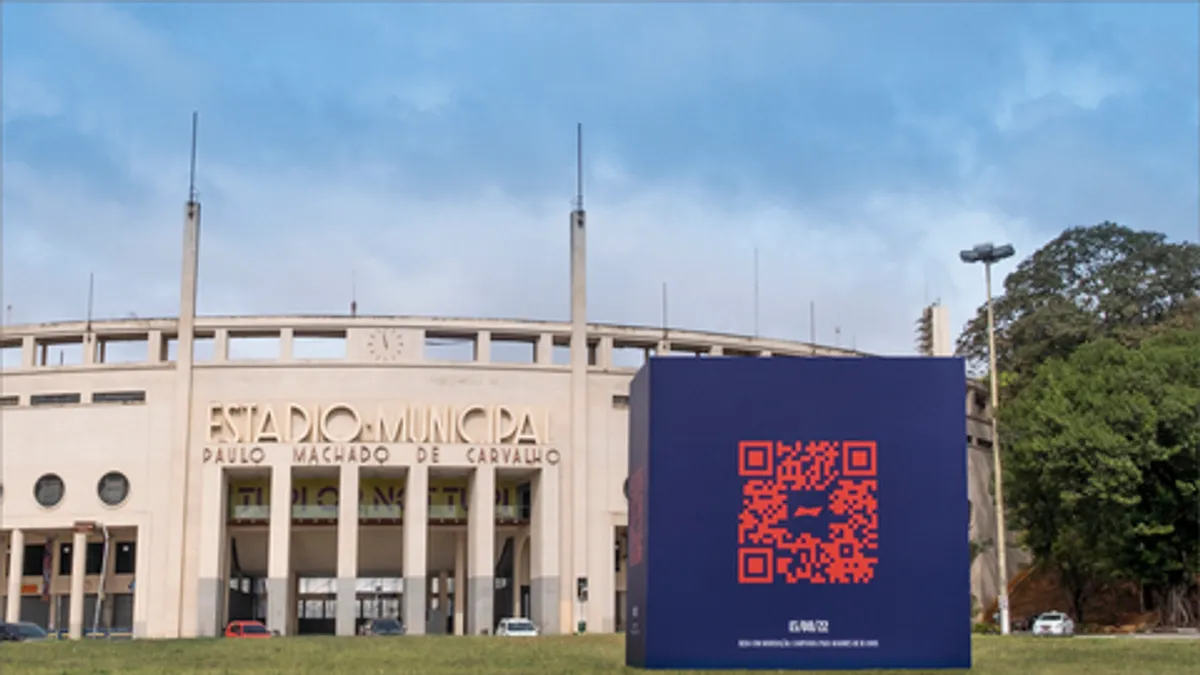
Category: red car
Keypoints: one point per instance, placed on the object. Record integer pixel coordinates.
(246, 630)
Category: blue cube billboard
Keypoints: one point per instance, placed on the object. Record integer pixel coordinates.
(798, 513)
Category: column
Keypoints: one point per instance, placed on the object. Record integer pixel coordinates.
(287, 342)
(211, 586)
(221, 345)
(16, 565)
(544, 551)
(142, 581)
(483, 346)
(347, 551)
(544, 353)
(443, 612)
(604, 352)
(600, 608)
(293, 612)
(4, 543)
(481, 549)
(279, 596)
(56, 619)
(154, 347)
(179, 532)
(78, 570)
(89, 348)
(226, 579)
(519, 554)
(416, 529)
(429, 598)
(29, 349)
(460, 582)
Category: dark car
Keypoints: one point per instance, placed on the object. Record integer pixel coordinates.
(384, 627)
(22, 632)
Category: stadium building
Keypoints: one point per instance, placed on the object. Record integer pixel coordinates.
(165, 476)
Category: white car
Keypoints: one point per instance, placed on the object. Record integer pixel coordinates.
(513, 627)
(1053, 623)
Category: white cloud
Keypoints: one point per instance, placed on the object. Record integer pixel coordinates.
(297, 243)
(298, 240)
(1083, 84)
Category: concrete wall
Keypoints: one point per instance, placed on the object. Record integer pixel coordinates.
(262, 360)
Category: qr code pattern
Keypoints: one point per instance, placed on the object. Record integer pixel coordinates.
(843, 471)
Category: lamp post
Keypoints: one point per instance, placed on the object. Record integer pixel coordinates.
(989, 254)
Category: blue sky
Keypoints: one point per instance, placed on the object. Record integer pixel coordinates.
(424, 153)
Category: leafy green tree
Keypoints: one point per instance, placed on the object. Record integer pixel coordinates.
(1102, 469)
(1162, 529)
(1105, 280)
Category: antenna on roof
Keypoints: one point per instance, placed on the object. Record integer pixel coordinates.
(812, 322)
(664, 310)
(354, 294)
(579, 166)
(91, 295)
(756, 292)
(193, 196)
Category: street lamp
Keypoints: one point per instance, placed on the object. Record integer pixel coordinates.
(989, 254)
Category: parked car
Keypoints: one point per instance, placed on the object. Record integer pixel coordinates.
(383, 627)
(515, 627)
(22, 631)
(246, 630)
(1053, 623)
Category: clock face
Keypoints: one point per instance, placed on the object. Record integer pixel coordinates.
(385, 344)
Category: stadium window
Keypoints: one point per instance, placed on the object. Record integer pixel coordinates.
(48, 490)
(113, 488)
(119, 397)
(126, 560)
(53, 399)
(95, 557)
(64, 560)
(32, 565)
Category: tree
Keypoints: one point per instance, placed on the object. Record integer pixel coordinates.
(1102, 465)
(1162, 530)
(1089, 282)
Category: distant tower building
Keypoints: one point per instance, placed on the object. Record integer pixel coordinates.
(933, 331)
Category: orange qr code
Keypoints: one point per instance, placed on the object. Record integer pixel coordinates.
(809, 512)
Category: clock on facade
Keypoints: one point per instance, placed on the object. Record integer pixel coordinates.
(385, 344)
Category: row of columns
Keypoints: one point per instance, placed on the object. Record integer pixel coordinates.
(16, 565)
(474, 581)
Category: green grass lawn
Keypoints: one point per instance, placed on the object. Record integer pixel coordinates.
(559, 655)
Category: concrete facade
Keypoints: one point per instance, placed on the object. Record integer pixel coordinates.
(489, 458)
(80, 402)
